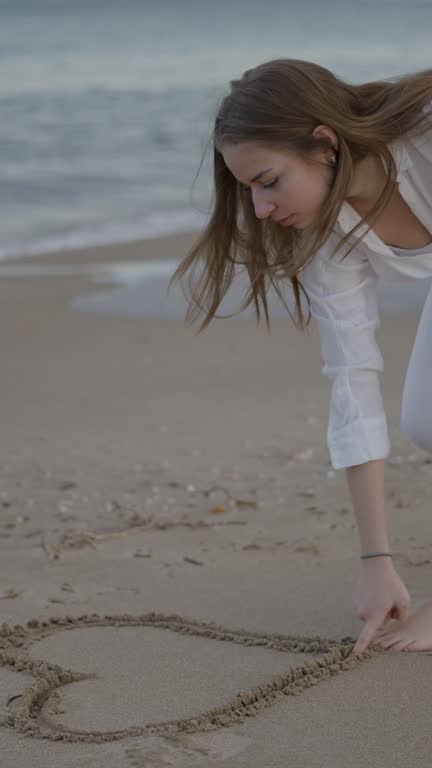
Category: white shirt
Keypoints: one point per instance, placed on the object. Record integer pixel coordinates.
(343, 299)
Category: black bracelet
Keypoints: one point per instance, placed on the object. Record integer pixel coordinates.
(376, 554)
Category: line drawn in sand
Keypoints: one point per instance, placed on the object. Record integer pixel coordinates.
(28, 717)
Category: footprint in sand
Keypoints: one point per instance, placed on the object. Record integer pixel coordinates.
(185, 750)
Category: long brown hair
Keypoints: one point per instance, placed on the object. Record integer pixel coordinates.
(277, 104)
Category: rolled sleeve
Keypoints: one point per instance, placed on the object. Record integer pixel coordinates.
(343, 300)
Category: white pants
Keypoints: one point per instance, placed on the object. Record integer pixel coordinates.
(416, 412)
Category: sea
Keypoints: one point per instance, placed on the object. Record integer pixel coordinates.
(107, 107)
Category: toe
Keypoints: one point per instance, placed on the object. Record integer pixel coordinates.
(377, 644)
(390, 641)
(385, 631)
(402, 645)
(410, 646)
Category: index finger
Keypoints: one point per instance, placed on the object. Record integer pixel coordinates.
(366, 636)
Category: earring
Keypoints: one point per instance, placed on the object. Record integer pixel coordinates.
(333, 159)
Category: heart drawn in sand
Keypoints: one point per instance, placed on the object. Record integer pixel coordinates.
(16, 641)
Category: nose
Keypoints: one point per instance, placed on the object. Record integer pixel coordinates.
(263, 208)
(262, 211)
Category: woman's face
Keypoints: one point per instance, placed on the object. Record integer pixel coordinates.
(288, 186)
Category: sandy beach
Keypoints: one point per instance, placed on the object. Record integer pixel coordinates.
(178, 555)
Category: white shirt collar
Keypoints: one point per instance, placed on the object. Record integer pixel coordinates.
(348, 217)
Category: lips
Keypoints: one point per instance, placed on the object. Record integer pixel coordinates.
(287, 220)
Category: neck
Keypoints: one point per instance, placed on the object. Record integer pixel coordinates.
(367, 183)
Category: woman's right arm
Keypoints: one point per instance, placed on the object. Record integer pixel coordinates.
(380, 594)
(343, 299)
(366, 484)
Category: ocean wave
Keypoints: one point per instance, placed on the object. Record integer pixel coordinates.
(154, 225)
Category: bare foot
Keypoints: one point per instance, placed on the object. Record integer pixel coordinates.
(413, 634)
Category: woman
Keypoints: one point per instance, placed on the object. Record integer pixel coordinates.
(302, 160)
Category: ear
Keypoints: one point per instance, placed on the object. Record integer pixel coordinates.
(324, 131)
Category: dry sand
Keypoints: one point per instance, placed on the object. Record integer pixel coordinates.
(169, 498)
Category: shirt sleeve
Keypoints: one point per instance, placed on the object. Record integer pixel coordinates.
(343, 300)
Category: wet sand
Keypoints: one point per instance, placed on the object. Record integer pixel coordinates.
(169, 498)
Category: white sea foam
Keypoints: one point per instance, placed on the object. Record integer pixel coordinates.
(156, 224)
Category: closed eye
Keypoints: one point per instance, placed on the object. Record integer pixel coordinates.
(265, 186)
